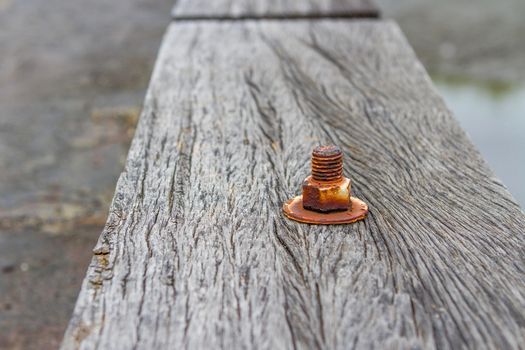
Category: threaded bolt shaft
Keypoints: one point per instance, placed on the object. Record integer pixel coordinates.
(327, 164)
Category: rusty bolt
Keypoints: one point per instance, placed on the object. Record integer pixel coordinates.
(326, 197)
(326, 189)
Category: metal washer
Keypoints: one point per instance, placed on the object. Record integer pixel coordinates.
(293, 209)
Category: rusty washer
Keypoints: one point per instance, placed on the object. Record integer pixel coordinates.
(326, 195)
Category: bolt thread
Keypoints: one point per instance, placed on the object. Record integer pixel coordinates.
(327, 164)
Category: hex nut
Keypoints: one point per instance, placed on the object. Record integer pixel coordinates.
(326, 197)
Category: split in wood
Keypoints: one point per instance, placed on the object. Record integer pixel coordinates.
(326, 197)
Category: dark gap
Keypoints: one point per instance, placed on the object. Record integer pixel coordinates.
(370, 14)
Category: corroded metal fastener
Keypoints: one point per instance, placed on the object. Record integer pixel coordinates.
(326, 197)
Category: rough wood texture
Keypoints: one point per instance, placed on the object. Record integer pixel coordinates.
(234, 9)
(197, 254)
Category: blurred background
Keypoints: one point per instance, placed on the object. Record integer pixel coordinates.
(72, 79)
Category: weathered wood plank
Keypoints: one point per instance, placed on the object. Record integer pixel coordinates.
(197, 254)
(236, 9)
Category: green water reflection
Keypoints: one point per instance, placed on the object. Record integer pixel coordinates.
(493, 115)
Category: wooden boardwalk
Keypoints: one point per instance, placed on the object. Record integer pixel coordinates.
(267, 9)
(196, 252)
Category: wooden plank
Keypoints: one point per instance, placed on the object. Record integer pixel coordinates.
(197, 254)
(245, 9)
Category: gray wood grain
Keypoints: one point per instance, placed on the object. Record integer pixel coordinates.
(235, 9)
(196, 253)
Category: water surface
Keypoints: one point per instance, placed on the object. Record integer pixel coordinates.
(493, 115)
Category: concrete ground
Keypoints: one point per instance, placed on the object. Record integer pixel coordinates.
(72, 78)
(481, 40)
